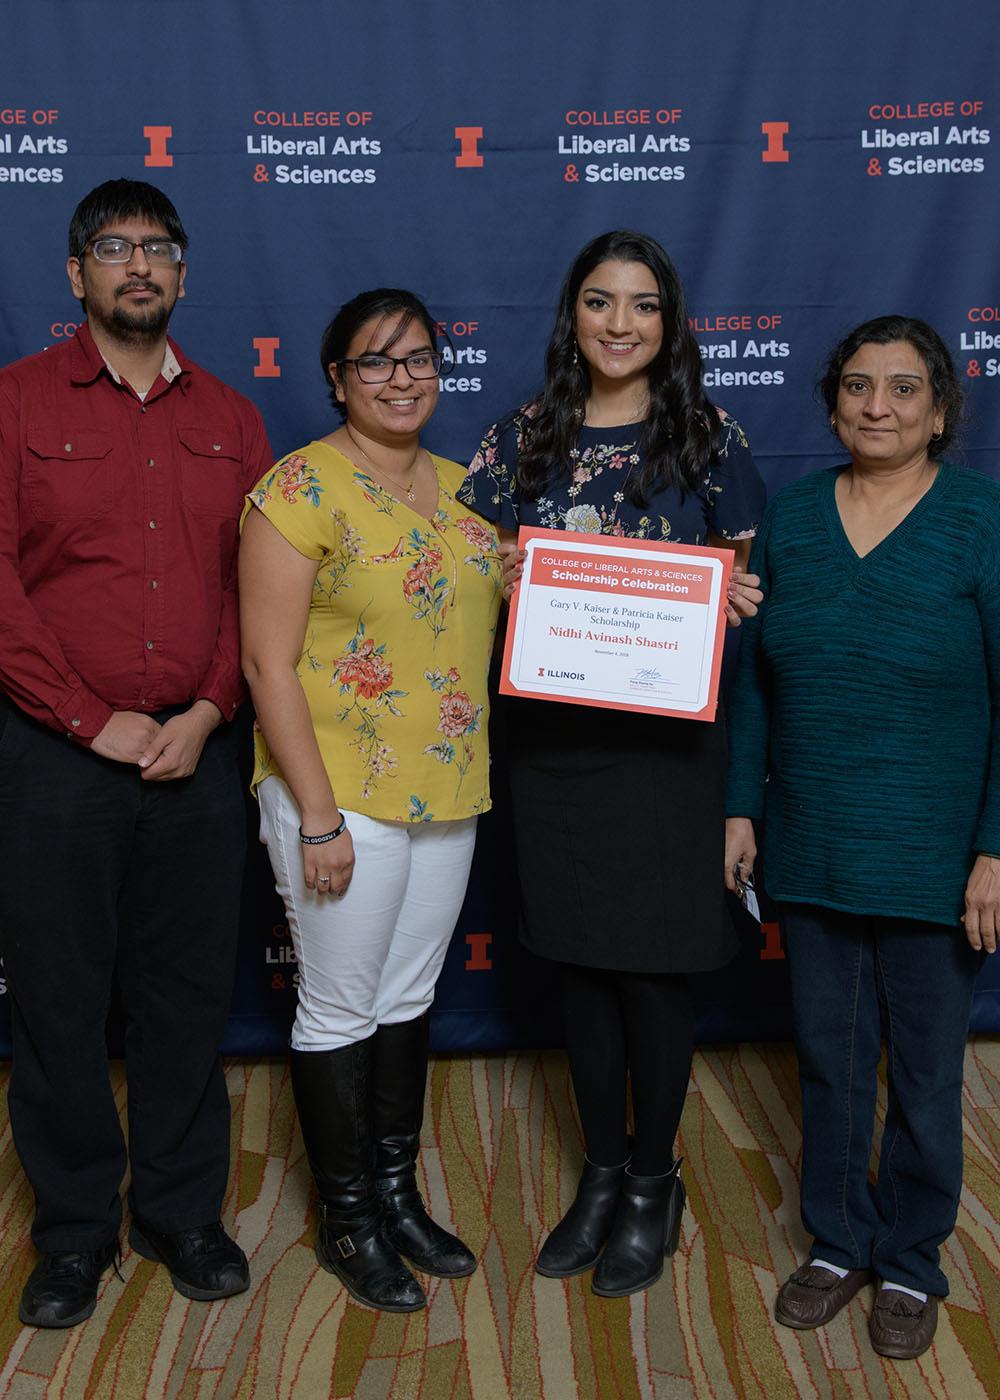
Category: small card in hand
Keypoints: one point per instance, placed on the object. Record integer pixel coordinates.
(745, 891)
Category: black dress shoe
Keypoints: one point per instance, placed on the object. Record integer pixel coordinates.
(62, 1289)
(204, 1263)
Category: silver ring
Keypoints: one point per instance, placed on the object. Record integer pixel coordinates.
(323, 879)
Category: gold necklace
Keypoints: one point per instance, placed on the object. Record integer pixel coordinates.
(407, 489)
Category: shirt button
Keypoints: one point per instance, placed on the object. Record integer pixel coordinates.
(150, 462)
(75, 723)
(68, 446)
(152, 524)
(153, 583)
(142, 408)
(149, 646)
(216, 446)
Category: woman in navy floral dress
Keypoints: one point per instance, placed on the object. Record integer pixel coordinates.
(619, 824)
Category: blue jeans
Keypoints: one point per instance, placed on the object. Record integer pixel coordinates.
(857, 979)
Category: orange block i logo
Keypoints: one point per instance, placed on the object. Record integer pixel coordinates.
(468, 138)
(774, 152)
(266, 367)
(158, 136)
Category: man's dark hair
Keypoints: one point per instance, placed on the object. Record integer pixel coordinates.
(122, 199)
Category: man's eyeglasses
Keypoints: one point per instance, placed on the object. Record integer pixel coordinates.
(159, 251)
(379, 369)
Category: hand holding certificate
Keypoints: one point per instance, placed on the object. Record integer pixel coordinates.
(620, 623)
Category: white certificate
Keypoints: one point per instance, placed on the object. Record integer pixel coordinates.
(626, 624)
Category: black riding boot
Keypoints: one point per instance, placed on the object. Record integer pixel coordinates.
(400, 1079)
(576, 1242)
(333, 1096)
(647, 1228)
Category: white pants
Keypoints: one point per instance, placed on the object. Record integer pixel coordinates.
(372, 955)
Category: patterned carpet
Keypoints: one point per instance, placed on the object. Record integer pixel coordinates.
(502, 1154)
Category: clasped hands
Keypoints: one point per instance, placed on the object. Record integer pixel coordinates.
(162, 751)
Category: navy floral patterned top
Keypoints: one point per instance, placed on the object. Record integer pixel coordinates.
(593, 496)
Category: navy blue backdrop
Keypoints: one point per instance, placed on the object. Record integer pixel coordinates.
(806, 166)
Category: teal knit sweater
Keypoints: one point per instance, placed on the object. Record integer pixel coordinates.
(862, 726)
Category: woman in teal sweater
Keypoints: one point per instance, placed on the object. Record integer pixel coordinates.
(863, 736)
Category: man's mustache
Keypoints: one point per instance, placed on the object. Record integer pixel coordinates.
(136, 285)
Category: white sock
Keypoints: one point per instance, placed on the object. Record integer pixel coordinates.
(901, 1288)
(834, 1268)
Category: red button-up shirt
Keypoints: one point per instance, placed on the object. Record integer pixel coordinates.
(118, 535)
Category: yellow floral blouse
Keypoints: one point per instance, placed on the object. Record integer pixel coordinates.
(399, 637)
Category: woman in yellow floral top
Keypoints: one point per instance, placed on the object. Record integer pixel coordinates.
(369, 598)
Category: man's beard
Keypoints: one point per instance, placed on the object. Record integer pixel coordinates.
(144, 323)
(137, 324)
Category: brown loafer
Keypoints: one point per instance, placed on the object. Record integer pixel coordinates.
(813, 1296)
(900, 1326)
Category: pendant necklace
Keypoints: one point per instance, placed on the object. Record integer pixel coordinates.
(406, 488)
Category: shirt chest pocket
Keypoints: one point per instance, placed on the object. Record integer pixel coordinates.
(67, 473)
(210, 471)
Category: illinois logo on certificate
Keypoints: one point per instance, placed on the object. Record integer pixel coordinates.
(619, 623)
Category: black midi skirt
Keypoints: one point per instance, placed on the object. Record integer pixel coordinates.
(619, 829)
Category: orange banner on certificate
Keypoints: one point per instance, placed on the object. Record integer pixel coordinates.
(618, 623)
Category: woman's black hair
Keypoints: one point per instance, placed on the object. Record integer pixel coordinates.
(885, 330)
(681, 430)
(381, 303)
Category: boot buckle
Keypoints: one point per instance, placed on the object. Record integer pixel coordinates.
(346, 1246)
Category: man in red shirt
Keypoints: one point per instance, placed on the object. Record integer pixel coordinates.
(123, 468)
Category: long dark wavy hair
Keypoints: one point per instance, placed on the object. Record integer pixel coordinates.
(946, 386)
(681, 432)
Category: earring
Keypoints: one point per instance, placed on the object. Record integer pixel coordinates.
(833, 422)
(576, 356)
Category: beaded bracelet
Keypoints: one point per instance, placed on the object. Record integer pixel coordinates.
(327, 836)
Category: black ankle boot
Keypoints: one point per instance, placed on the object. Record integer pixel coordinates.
(647, 1229)
(399, 1055)
(576, 1242)
(333, 1096)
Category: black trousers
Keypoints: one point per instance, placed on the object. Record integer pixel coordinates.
(104, 874)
